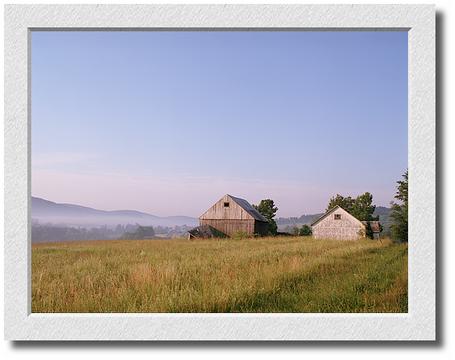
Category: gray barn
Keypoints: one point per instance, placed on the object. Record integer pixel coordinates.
(231, 215)
(339, 224)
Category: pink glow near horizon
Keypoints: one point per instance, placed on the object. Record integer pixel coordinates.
(188, 196)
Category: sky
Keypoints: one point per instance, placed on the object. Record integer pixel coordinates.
(168, 122)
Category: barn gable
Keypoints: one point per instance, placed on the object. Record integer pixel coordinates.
(339, 224)
(232, 215)
(233, 208)
(245, 205)
(337, 209)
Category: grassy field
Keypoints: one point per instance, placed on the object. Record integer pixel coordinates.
(286, 274)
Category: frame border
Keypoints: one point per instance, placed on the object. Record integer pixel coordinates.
(418, 324)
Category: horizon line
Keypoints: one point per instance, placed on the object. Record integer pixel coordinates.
(165, 216)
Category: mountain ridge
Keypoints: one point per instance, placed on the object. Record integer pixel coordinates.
(47, 211)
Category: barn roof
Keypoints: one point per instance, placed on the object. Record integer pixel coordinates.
(245, 205)
(331, 211)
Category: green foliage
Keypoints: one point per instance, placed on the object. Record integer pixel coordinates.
(399, 213)
(369, 231)
(361, 207)
(305, 230)
(347, 203)
(268, 209)
(142, 232)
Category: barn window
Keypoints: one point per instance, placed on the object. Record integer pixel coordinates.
(226, 204)
(337, 217)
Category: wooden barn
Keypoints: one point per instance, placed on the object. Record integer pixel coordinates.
(339, 224)
(231, 215)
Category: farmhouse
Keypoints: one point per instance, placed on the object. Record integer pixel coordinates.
(231, 215)
(339, 224)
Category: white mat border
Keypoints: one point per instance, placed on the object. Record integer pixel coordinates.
(418, 324)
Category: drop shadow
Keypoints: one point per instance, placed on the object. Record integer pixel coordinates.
(440, 180)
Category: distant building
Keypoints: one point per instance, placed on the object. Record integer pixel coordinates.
(230, 215)
(339, 224)
(375, 227)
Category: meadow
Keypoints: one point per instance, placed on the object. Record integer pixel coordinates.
(282, 274)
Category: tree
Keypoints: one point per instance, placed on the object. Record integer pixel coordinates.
(268, 209)
(399, 213)
(361, 207)
(305, 230)
(346, 203)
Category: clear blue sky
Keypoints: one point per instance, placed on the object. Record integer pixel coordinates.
(168, 122)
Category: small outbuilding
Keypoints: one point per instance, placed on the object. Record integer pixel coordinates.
(375, 228)
(339, 224)
(231, 215)
(205, 232)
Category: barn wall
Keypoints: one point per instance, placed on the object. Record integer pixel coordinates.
(230, 226)
(218, 211)
(347, 228)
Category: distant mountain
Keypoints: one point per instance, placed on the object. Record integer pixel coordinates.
(48, 212)
(384, 218)
(297, 221)
(381, 211)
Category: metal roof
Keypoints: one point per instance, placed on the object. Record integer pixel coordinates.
(245, 205)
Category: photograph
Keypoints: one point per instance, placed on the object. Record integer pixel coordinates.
(219, 171)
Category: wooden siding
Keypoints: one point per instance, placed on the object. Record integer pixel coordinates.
(231, 226)
(233, 212)
(346, 228)
(232, 219)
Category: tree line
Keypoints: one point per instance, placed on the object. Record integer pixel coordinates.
(360, 207)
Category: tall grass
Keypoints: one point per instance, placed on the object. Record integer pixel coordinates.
(284, 274)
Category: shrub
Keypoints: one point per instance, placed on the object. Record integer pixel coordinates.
(305, 230)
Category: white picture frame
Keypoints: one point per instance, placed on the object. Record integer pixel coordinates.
(419, 324)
